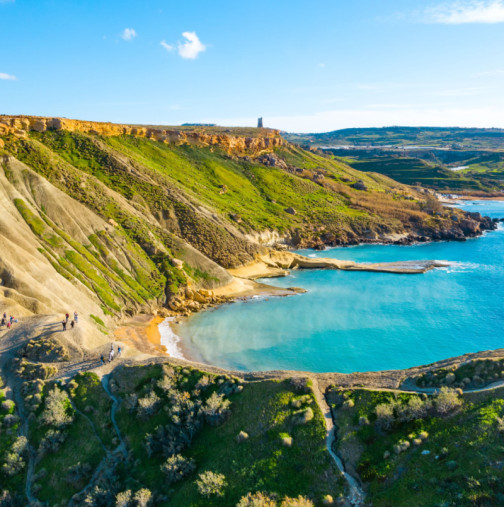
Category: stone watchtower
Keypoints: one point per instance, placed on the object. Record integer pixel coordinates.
(260, 123)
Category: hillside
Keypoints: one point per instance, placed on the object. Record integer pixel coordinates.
(440, 137)
(113, 221)
(444, 159)
(147, 212)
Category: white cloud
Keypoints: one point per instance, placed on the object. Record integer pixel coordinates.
(128, 34)
(490, 73)
(468, 11)
(192, 47)
(168, 47)
(7, 77)
(324, 121)
(321, 65)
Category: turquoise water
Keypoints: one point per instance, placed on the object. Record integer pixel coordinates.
(357, 321)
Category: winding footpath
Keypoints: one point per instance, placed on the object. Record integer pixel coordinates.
(356, 493)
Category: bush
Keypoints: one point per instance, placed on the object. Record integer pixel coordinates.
(143, 497)
(304, 416)
(414, 409)
(349, 404)
(384, 415)
(300, 501)
(447, 400)
(286, 439)
(241, 437)
(58, 410)
(177, 467)
(123, 499)
(257, 500)
(216, 409)
(148, 405)
(211, 483)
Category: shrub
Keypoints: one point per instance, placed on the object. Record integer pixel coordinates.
(13, 464)
(147, 406)
(414, 409)
(304, 416)
(51, 442)
(143, 497)
(447, 400)
(423, 435)
(241, 437)
(58, 410)
(165, 383)
(211, 483)
(123, 499)
(203, 383)
(349, 404)
(286, 439)
(384, 415)
(7, 405)
(328, 500)
(216, 409)
(300, 501)
(177, 467)
(257, 500)
(363, 420)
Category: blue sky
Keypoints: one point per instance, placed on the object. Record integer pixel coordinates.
(304, 66)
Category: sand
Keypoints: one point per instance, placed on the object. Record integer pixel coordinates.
(141, 332)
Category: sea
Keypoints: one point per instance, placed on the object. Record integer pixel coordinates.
(359, 321)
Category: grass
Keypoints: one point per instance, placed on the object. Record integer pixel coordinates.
(261, 462)
(13, 484)
(457, 464)
(90, 398)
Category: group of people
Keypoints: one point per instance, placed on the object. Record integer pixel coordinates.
(73, 323)
(112, 354)
(7, 322)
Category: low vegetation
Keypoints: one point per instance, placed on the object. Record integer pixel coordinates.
(431, 450)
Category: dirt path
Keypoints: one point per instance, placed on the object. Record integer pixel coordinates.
(356, 493)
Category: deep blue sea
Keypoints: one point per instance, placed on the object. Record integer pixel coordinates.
(357, 321)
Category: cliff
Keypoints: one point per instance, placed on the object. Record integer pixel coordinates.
(143, 221)
(265, 139)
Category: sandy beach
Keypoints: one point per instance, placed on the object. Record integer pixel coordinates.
(142, 333)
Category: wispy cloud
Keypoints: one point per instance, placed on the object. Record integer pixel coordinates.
(468, 11)
(321, 65)
(128, 34)
(192, 47)
(490, 73)
(7, 77)
(167, 46)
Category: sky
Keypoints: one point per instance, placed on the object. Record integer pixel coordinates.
(303, 66)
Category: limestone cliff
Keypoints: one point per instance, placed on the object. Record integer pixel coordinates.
(232, 144)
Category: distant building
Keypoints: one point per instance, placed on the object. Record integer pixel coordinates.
(260, 123)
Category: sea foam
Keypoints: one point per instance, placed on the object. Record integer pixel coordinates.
(169, 339)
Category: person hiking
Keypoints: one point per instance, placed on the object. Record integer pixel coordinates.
(111, 355)
(11, 319)
(72, 324)
(102, 360)
(8, 325)
(118, 351)
(63, 323)
(67, 316)
(76, 317)
(3, 322)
